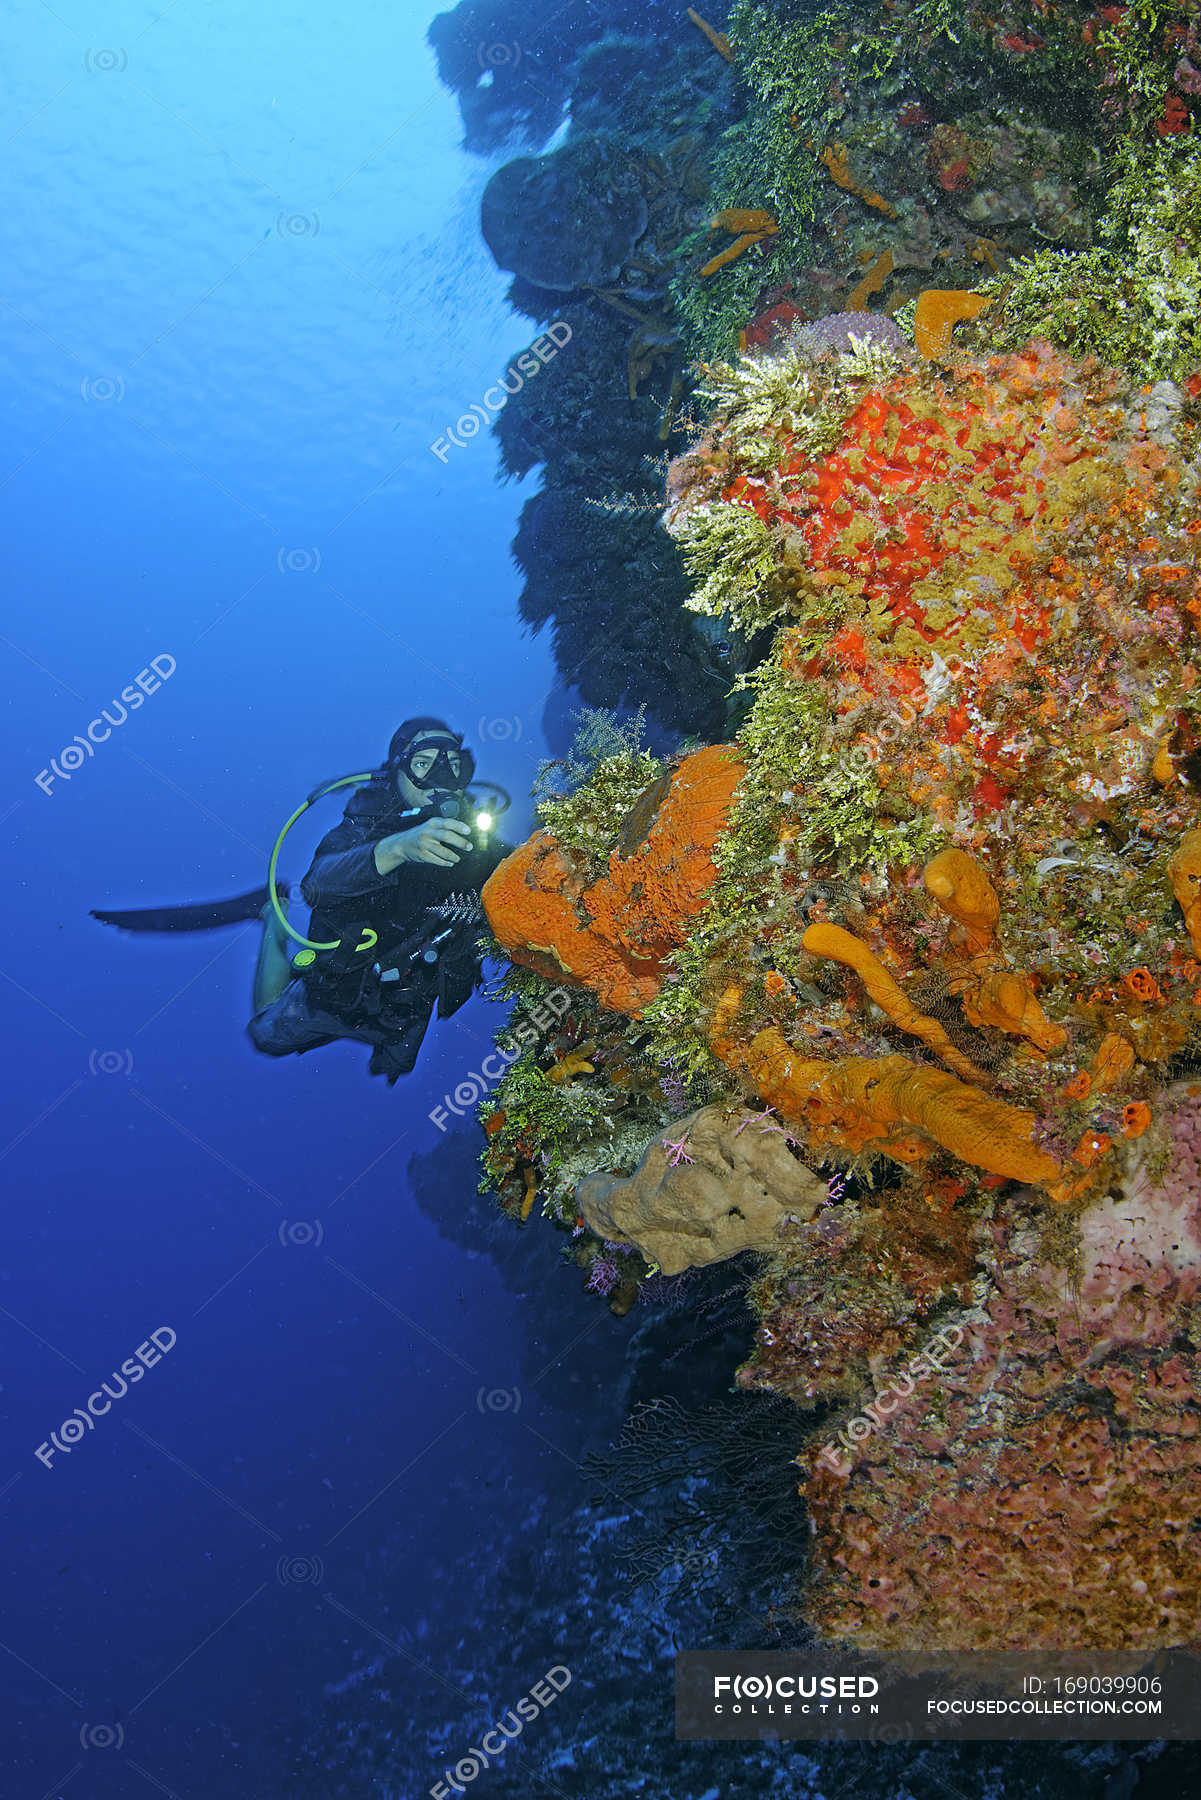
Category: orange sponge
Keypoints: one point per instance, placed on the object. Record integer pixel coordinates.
(612, 935)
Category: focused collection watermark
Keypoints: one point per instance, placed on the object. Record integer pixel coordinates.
(502, 1733)
(537, 1021)
(529, 363)
(927, 1362)
(1019, 1694)
(72, 1431)
(97, 731)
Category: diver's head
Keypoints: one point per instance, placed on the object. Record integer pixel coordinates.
(428, 762)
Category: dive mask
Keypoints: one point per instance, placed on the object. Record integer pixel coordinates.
(441, 775)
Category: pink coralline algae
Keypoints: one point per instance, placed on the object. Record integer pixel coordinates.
(1043, 1490)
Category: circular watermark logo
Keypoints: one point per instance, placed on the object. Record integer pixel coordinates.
(302, 1232)
(102, 1737)
(468, 1092)
(297, 225)
(500, 731)
(300, 1571)
(497, 56)
(102, 387)
(498, 1400)
(299, 562)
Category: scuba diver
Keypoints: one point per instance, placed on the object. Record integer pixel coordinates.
(394, 892)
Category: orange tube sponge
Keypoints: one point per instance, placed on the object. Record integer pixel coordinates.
(739, 219)
(1112, 1063)
(936, 315)
(871, 283)
(718, 39)
(1184, 872)
(844, 947)
(986, 1133)
(861, 1101)
(839, 165)
(734, 250)
(1007, 1001)
(612, 934)
(961, 887)
(992, 994)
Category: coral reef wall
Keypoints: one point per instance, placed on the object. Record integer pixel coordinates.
(1039, 1485)
(940, 924)
(721, 181)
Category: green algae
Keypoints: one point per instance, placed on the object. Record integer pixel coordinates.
(1134, 301)
(586, 799)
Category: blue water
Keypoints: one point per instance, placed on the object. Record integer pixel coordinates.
(243, 293)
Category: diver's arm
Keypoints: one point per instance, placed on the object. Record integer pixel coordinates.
(344, 866)
(356, 870)
(389, 854)
(348, 874)
(440, 842)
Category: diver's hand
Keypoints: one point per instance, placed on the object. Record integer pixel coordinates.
(438, 841)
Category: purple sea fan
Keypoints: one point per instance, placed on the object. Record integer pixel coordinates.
(674, 1088)
(603, 1276)
(664, 1290)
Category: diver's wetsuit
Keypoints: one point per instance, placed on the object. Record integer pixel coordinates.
(346, 891)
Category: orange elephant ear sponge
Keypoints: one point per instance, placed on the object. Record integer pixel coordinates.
(612, 934)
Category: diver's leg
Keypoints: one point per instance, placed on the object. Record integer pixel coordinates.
(274, 969)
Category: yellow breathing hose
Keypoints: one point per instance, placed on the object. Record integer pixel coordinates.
(317, 794)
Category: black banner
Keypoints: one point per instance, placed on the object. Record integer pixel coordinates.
(1045, 1694)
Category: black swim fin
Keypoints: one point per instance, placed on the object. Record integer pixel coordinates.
(207, 915)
